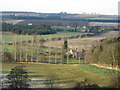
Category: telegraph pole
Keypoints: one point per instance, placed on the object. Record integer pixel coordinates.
(37, 47)
(50, 49)
(15, 48)
(32, 48)
(20, 48)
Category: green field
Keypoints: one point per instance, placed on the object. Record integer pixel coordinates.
(65, 75)
(103, 18)
(13, 38)
(65, 28)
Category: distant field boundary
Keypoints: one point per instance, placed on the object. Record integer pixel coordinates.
(73, 65)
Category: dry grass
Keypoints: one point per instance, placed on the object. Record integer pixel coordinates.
(81, 43)
(84, 43)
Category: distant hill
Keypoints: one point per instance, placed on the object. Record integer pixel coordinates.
(58, 16)
(15, 12)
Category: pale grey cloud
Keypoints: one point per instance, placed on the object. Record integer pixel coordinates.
(70, 6)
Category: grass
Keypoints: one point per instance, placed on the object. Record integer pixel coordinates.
(66, 75)
(11, 48)
(103, 18)
(31, 50)
(13, 38)
(66, 28)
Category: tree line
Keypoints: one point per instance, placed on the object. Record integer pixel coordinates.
(28, 29)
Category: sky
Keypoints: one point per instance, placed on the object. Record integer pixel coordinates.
(55, 6)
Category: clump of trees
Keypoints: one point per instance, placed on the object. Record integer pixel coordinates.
(106, 53)
(7, 57)
(18, 78)
(6, 27)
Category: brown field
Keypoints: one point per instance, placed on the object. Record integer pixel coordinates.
(83, 43)
(12, 21)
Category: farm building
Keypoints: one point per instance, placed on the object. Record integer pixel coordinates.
(77, 54)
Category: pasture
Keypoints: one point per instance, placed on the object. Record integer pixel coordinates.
(18, 38)
(64, 75)
(63, 28)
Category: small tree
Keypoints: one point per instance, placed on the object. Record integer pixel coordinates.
(51, 81)
(18, 78)
(65, 49)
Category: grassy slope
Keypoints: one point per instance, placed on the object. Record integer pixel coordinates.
(67, 75)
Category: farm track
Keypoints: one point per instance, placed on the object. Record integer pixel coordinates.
(106, 67)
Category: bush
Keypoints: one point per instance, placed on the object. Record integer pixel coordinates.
(85, 84)
(7, 57)
(115, 81)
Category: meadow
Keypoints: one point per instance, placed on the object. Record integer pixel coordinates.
(65, 76)
(66, 28)
(12, 38)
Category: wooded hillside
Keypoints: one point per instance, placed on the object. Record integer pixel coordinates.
(106, 53)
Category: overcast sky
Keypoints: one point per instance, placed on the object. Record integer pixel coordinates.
(56, 6)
